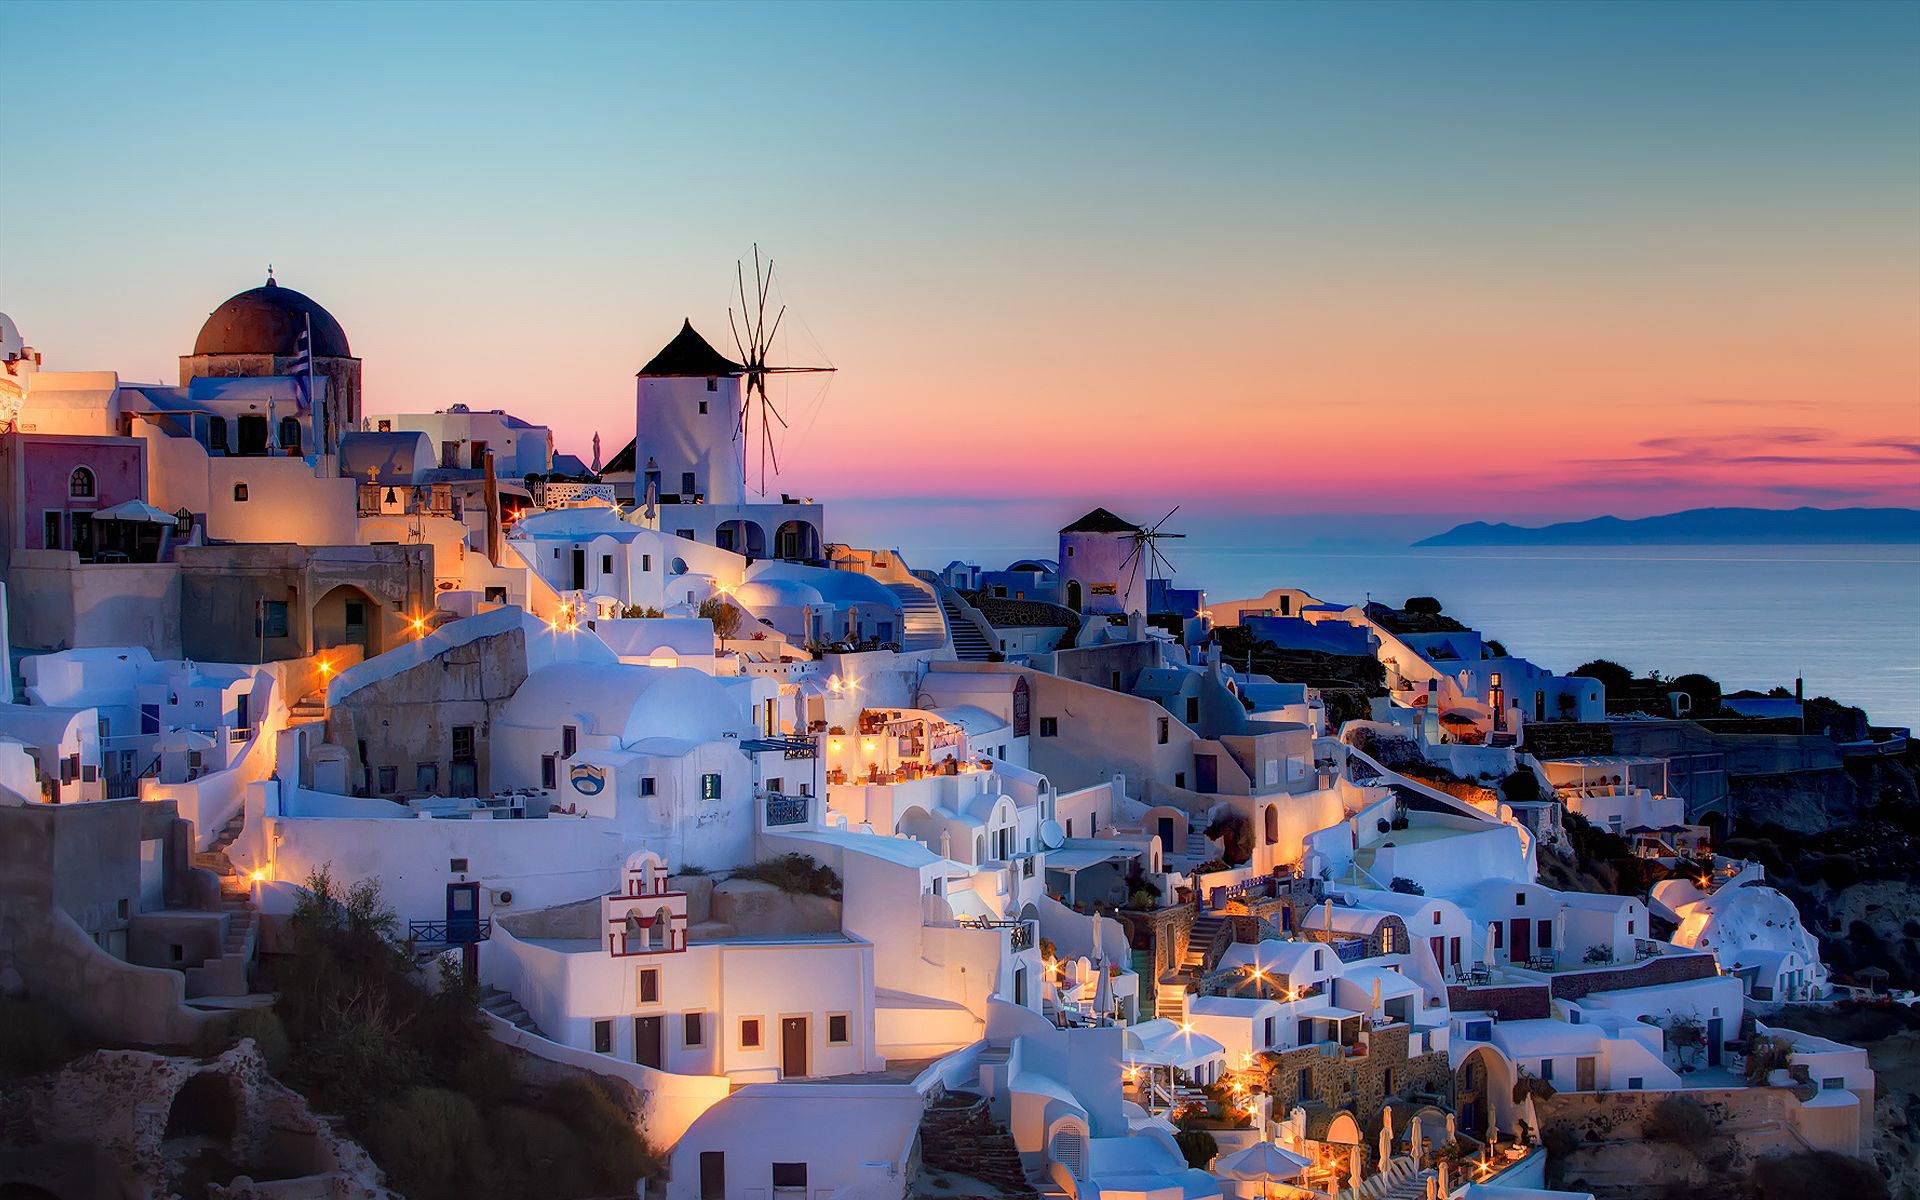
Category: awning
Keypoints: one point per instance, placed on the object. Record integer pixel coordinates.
(1079, 858)
(136, 510)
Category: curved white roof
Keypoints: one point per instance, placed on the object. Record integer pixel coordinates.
(625, 702)
(576, 525)
(835, 587)
(10, 343)
(778, 593)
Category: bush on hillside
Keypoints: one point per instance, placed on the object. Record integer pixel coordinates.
(35, 1036)
(1816, 1173)
(795, 874)
(1679, 1121)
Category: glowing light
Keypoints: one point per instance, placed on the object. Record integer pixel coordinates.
(326, 668)
(834, 745)
(258, 876)
(867, 745)
(417, 624)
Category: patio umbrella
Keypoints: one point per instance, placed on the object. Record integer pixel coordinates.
(1102, 989)
(1263, 1163)
(136, 510)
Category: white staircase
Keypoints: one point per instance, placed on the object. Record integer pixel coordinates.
(503, 1005)
(924, 627)
(968, 643)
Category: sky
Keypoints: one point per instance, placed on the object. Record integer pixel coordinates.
(1337, 266)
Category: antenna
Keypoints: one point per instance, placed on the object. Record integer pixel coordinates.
(753, 340)
(1146, 548)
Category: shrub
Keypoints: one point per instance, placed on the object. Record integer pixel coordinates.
(1406, 886)
(269, 1035)
(1678, 1120)
(725, 617)
(1425, 606)
(1235, 834)
(1765, 1056)
(433, 1143)
(1198, 1145)
(618, 1156)
(1688, 1036)
(1616, 678)
(1817, 1173)
(1597, 954)
(1521, 787)
(795, 874)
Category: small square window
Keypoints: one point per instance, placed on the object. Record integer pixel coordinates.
(1635, 1083)
(1165, 727)
(710, 786)
(750, 1033)
(648, 786)
(389, 779)
(606, 564)
(457, 865)
(649, 985)
(569, 741)
(1049, 727)
(703, 406)
(1519, 899)
(693, 1030)
(123, 909)
(837, 1029)
(790, 1175)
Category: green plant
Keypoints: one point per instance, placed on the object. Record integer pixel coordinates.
(1406, 886)
(1597, 954)
(795, 874)
(1767, 1054)
(1687, 1034)
(269, 1035)
(641, 610)
(1198, 1146)
(725, 617)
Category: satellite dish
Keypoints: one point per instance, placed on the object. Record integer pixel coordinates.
(1051, 835)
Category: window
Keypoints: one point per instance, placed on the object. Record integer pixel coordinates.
(80, 484)
(603, 1037)
(710, 786)
(647, 785)
(693, 1030)
(1832, 1085)
(121, 908)
(389, 779)
(703, 407)
(646, 562)
(1165, 728)
(549, 771)
(1316, 959)
(790, 1175)
(1436, 917)
(606, 564)
(463, 741)
(289, 433)
(1546, 1070)
(239, 493)
(750, 1033)
(52, 540)
(1193, 710)
(836, 1029)
(217, 434)
(426, 776)
(649, 985)
(1180, 779)
(271, 619)
(1635, 1083)
(569, 741)
(686, 483)
(1519, 899)
(713, 385)
(386, 427)
(457, 865)
(1049, 727)
(1114, 681)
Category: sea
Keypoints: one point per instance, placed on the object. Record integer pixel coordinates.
(1846, 619)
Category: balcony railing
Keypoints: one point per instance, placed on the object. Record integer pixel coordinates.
(786, 810)
(449, 933)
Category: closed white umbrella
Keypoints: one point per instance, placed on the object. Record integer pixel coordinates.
(1102, 990)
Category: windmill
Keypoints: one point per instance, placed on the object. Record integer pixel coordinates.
(753, 339)
(1146, 549)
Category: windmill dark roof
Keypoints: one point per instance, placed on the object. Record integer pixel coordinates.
(1101, 521)
(621, 462)
(689, 354)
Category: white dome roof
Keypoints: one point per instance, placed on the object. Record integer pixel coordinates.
(626, 702)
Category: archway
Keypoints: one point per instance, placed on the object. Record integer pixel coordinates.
(796, 541)
(1273, 824)
(1073, 594)
(742, 537)
(204, 1107)
(347, 616)
(1483, 1090)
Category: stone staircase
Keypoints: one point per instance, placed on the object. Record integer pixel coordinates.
(310, 707)
(1170, 998)
(1194, 963)
(969, 645)
(922, 625)
(959, 1135)
(227, 974)
(503, 1005)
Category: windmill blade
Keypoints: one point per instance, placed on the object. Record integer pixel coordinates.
(1163, 520)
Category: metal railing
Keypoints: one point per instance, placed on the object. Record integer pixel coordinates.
(1023, 931)
(784, 810)
(444, 933)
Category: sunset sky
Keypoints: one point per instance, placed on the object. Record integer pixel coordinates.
(1506, 262)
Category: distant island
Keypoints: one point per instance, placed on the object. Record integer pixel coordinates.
(1703, 526)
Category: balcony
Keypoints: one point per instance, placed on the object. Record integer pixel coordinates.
(784, 810)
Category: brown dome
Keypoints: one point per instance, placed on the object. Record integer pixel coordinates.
(267, 320)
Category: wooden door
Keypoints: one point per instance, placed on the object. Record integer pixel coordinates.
(1521, 936)
(649, 1043)
(793, 1047)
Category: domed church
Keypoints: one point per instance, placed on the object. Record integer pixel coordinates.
(256, 334)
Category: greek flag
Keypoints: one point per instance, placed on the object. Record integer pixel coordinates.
(301, 365)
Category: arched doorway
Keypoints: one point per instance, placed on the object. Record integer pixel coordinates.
(796, 541)
(1073, 594)
(742, 537)
(204, 1107)
(1483, 1090)
(347, 616)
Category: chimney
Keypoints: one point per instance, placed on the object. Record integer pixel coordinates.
(493, 509)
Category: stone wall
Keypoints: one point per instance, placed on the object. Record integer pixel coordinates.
(1668, 968)
(1164, 932)
(1357, 1082)
(1518, 1002)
